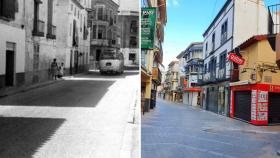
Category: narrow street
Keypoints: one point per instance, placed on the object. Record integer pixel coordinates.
(180, 131)
(83, 116)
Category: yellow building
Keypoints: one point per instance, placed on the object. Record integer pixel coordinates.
(152, 58)
(255, 90)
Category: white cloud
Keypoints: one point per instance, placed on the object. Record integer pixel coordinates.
(175, 3)
(172, 3)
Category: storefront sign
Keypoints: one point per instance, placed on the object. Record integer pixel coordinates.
(262, 105)
(236, 59)
(148, 27)
(253, 104)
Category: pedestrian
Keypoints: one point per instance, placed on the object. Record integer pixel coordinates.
(61, 70)
(54, 69)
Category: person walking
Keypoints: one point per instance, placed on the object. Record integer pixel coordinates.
(54, 69)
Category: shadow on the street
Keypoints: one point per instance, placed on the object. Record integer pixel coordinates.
(22, 137)
(69, 93)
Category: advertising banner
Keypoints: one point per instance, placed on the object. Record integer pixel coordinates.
(148, 27)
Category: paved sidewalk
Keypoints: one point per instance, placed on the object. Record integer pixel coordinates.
(180, 131)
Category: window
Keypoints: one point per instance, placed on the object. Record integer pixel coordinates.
(38, 25)
(8, 8)
(93, 32)
(213, 41)
(132, 42)
(71, 7)
(75, 11)
(100, 13)
(132, 56)
(133, 26)
(206, 48)
(101, 33)
(224, 32)
(115, 19)
(205, 68)
(222, 60)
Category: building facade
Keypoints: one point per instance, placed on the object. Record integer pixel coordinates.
(152, 58)
(193, 66)
(43, 31)
(227, 31)
(181, 76)
(255, 92)
(128, 19)
(104, 29)
(172, 82)
(73, 40)
(12, 47)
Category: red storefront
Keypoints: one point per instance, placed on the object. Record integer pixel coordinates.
(258, 104)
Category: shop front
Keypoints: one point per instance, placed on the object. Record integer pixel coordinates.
(257, 104)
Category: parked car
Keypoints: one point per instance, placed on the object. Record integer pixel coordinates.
(111, 61)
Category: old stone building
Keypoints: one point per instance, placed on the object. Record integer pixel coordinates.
(34, 32)
(105, 31)
(73, 39)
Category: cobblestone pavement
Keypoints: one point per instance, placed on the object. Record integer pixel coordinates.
(86, 116)
(180, 131)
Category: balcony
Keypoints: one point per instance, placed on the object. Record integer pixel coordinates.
(273, 24)
(222, 74)
(39, 27)
(274, 19)
(157, 76)
(51, 31)
(99, 42)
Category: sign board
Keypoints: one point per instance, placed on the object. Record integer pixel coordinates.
(148, 27)
(236, 59)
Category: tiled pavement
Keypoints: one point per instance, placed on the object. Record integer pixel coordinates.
(180, 131)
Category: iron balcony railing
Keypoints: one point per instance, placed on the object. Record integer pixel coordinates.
(39, 27)
(51, 31)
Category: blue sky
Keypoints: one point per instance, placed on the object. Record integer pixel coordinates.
(186, 22)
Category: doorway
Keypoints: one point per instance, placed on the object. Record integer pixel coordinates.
(10, 64)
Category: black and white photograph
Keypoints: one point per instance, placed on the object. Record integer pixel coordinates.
(69, 79)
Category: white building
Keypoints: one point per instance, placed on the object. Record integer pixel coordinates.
(193, 66)
(237, 21)
(12, 44)
(73, 38)
(128, 19)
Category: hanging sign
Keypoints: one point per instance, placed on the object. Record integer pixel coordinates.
(236, 59)
(148, 27)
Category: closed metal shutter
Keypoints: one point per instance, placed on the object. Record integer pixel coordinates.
(274, 108)
(242, 105)
(212, 99)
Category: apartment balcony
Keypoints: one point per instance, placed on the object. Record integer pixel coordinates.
(273, 24)
(207, 78)
(157, 76)
(114, 43)
(51, 31)
(100, 22)
(222, 74)
(39, 28)
(99, 42)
